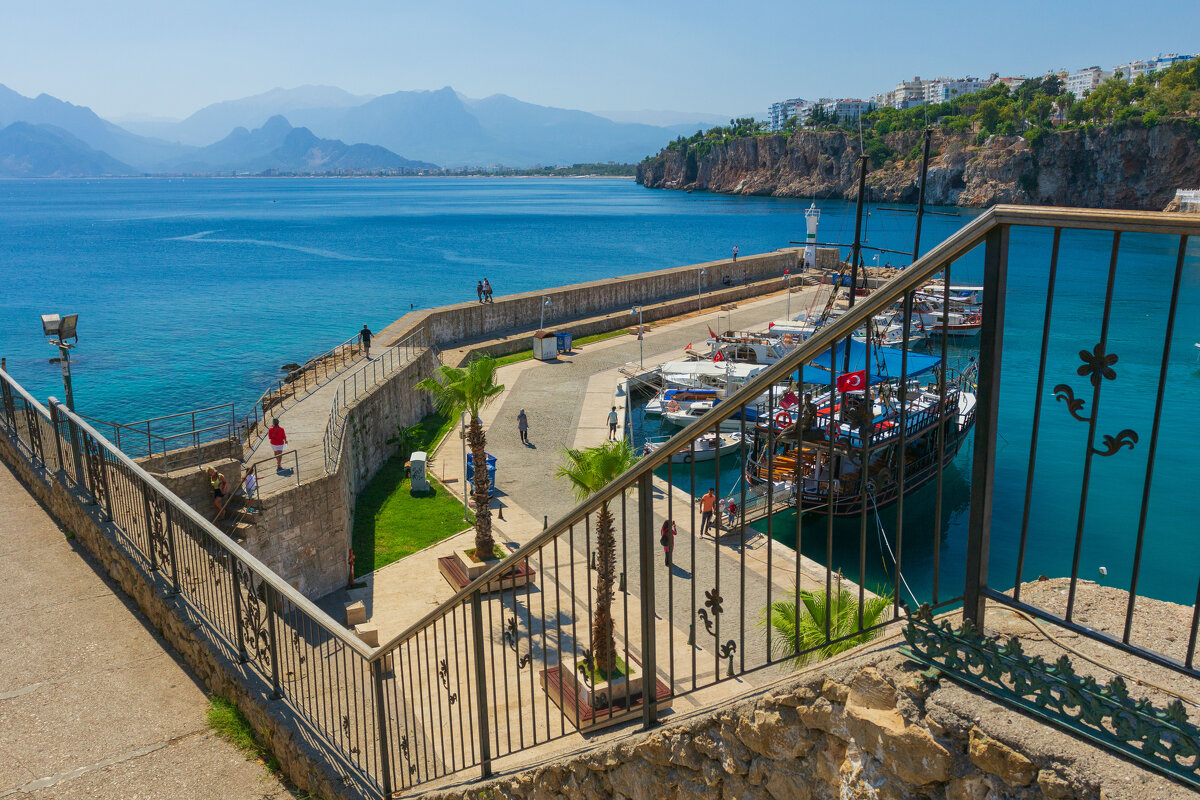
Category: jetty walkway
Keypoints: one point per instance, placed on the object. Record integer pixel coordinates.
(93, 702)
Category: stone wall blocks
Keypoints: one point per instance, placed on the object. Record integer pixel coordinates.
(773, 735)
(834, 692)
(724, 748)
(1054, 786)
(996, 758)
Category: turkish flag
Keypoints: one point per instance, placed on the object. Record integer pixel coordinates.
(789, 400)
(711, 335)
(718, 357)
(852, 381)
(689, 347)
(771, 325)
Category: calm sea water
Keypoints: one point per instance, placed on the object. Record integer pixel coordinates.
(195, 292)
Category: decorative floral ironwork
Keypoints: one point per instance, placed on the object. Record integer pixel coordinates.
(586, 667)
(714, 602)
(1098, 365)
(412, 768)
(511, 634)
(95, 469)
(1162, 739)
(159, 546)
(255, 632)
(444, 677)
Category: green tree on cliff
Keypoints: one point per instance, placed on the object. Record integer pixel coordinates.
(589, 471)
(470, 389)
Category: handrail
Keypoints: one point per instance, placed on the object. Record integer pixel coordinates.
(920, 271)
(285, 589)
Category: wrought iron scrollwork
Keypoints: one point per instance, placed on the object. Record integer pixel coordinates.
(159, 546)
(444, 677)
(1160, 738)
(412, 768)
(510, 638)
(255, 631)
(35, 439)
(1097, 368)
(715, 603)
(95, 470)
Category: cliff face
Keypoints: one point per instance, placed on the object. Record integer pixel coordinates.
(1131, 167)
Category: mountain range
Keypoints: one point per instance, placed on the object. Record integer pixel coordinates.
(334, 131)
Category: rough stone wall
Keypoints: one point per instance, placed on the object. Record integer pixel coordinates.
(868, 728)
(303, 535)
(185, 457)
(1109, 167)
(192, 487)
(299, 754)
(471, 321)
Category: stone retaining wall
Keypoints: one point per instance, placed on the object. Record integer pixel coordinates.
(191, 485)
(300, 755)
(511, 314)
(192, 457)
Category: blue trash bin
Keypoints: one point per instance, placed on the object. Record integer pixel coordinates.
(491, 470)
(564, 341)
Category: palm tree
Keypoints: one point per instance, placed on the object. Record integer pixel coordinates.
(799, 638)
(470, 389)
(589, 471)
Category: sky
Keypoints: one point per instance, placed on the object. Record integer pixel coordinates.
(151, 58)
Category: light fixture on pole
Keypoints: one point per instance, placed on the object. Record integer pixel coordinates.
(60, 332)
(787, 277)
(545, 302)
(463, 434)
(698, 274)
(641, 346)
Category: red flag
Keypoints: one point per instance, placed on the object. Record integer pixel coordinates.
(720, 356)
(689, 347)
(789, 400)
(711, 335)
(852, 381)
(770, 325)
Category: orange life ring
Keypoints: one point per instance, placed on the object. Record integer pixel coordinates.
(783, 418)
(672, 406)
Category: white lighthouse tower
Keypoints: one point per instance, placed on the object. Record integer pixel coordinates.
(812, 216)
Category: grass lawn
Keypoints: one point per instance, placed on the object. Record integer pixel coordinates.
(391, 523)
(513, 358)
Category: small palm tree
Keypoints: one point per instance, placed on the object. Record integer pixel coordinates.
(471, 389)
(799, 632)
(589, 471)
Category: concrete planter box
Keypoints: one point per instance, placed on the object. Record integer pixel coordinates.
(599, 695)
(460, 569)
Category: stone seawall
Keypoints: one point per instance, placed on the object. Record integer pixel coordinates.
(512, 314)
(301, 757)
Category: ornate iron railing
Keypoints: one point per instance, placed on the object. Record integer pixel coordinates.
(507, 664)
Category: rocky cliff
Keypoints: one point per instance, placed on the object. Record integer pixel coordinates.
(1106, 167)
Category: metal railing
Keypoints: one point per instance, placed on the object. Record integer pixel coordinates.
(298, 383)
(177, 440)
(252, 493)
(494, 672)
(361, 381)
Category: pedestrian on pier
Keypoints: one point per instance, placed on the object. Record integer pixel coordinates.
(366, 339)
(612, 424)
(735, 252)
(479, 290)
(707, 504)
(278, 438)
(523, 426)
(731, 510)
(487, 290)
(666, 537)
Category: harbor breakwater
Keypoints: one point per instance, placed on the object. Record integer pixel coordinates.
(1129, 167)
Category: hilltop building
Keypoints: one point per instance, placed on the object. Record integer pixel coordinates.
(943, 90)
(847, 109)
(1082, 82)
(1134, 69)
(784, 110)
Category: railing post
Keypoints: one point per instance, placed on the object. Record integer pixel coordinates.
(381, 729)
(277, 691)
(243, 656)
(168, 529)
(646, 557)
(149, 512)
(983, 468)
(481, 711)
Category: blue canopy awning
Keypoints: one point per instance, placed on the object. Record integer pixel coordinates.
(885, 363)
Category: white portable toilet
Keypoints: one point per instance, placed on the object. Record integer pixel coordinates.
(417, 464)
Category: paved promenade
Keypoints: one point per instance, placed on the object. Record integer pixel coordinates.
(92, 702)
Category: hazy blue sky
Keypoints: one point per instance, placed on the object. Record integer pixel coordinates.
(157, 57)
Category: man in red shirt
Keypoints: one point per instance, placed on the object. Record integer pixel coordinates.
(278, 437)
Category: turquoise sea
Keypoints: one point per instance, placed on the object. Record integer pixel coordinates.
(194, 292)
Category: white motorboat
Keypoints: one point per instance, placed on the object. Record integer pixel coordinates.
(705, 447)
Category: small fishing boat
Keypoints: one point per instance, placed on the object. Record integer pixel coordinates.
(929, 316)
(675, 399)
(705, 449)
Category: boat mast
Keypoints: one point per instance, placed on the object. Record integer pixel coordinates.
(921, 193)
(856, 248)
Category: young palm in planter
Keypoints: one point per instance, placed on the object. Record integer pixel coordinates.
(471, 389)
(799, 630)
(602, 674)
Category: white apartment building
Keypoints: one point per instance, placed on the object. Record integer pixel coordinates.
(847, 109)
(784, 110)
(1082, 82)
(943, 90)
(1133, 69)
(907, 94)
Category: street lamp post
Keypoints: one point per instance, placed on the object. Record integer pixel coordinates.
(545, 302)
(787, 277)
(641, 345)
(464, 450)
(699, 308)
(58, 330)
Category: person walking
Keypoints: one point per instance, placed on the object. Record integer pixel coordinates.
(479, 290)
(278, 438)
(523, 426)
(365, 333)
(731, 511)
(707, 503)
(487, 290)
(612, 424)
(666, 537)
(735, 252)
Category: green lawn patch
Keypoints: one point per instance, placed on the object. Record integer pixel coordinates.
(227, 721)
(599, 675)
(523, 355)
(498, 553)
(390, 522)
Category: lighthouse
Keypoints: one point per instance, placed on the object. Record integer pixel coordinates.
(811, 217)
